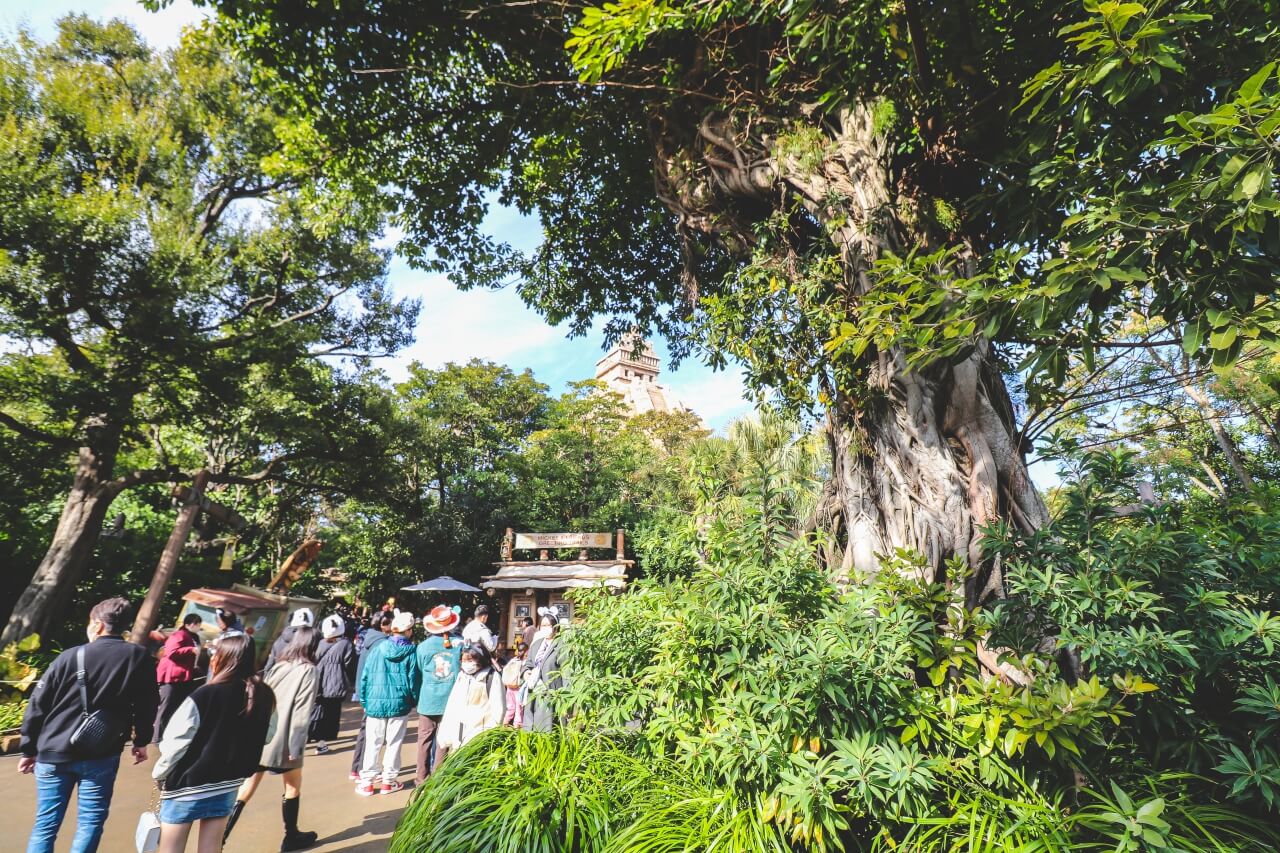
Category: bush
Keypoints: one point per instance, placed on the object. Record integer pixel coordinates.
(754, 705)
(1186, 593)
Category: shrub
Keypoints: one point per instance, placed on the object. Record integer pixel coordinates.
(754, 705)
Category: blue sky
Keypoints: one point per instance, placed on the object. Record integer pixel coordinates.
(453, 325)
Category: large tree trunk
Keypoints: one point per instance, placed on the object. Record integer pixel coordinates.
(924, 465)
(42, 603)
(922, 459)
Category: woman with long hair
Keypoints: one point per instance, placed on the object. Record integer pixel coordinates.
(211, 745)
(293, 679)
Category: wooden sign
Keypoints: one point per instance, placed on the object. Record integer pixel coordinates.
(533, 541)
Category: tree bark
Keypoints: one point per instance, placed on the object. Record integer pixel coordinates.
(41, 604)
(921, 459)
(924, 464)
(149, 610)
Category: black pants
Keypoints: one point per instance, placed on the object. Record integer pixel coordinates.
(357, 751)
(326, 714)
(171, 696)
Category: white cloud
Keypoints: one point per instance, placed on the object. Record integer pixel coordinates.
(457, 326)
(161, 29)
(718, 397)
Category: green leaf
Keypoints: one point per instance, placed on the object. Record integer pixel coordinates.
(1222, 339)
(1249, 88)
(1193, 336)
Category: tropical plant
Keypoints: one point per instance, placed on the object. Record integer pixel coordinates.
(1184, 592)
(511, 791)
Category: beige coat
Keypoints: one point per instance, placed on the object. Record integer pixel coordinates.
(295, 687)
(476, 704)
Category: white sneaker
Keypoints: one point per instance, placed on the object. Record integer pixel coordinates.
(321, 748)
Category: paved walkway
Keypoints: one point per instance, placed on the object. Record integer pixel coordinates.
(346, 822)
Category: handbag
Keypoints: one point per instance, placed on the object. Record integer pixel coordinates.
(147, 836)
(98, 731)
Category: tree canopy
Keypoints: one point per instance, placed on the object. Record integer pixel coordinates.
(183, 276)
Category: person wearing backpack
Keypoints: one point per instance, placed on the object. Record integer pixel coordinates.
(476, 703)
(77, 721)
(388, 688)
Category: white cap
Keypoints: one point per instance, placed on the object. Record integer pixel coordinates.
(403, 623)
(332, 626)
(302, 618)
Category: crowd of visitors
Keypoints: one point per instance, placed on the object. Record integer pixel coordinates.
(221, 723)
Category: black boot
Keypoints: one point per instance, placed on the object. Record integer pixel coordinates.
(294, 840)
(232, 818)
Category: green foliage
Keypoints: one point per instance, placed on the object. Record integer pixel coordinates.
(715, 477)
(841, 711)
(511, 791)
(1183, 593)
(18, 673)
(194, 289)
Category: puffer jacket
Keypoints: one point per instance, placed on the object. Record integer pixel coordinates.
(390, 680)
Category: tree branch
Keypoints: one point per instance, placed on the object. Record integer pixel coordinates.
(26, 430)
(146, 475)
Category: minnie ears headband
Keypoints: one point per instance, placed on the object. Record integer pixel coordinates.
(549, 611)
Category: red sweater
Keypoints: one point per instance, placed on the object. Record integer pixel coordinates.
(178, 661)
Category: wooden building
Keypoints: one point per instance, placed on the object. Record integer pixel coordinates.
(522, 586)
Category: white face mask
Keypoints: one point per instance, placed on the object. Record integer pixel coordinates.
(470, 667)
(542, 634)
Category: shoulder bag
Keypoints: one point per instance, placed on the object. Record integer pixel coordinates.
(146, 838)
(98, 731)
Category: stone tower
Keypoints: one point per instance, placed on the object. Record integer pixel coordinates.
(631, 369)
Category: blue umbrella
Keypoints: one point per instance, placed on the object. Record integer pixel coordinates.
(444, 583)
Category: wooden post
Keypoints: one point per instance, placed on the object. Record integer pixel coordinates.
(622, 551)
(150, 608)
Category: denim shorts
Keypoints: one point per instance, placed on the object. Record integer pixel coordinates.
(186, 811)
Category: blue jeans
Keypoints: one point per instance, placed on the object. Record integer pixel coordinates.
(54, 783)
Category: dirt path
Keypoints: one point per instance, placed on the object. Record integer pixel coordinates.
(346, 822)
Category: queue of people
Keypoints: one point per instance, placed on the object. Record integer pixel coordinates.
(220, 733)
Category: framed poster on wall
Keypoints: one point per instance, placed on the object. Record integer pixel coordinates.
(563, 608)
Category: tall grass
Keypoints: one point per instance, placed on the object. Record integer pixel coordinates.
(510, 791)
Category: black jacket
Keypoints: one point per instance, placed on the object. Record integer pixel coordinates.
(120, 678)
(211, 743)
(282, 642)
(335, 669)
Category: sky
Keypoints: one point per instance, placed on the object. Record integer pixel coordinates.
(453, 325)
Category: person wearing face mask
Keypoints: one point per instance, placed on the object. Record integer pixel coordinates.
(541, 672)
(111, 679)
(476, 703)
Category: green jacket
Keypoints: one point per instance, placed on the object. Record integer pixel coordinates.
(439, 670)
(390, 680)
